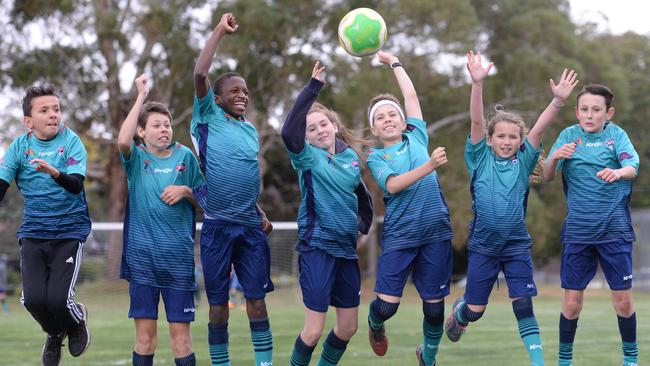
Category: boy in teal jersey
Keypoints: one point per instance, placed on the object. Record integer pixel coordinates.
(234, 227)
(500, 162)
(49, 165)
(159, 228)
(416, 234)
(334, 206)
(598, 163)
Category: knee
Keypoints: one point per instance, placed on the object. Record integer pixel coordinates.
(145, 343)
(624, 306)
(383, 310)
(256, 309)
(35, 303)
(572, 308)
(434, 312)
(181, 345)
(346, 330)
(310, 335)
(219, 314)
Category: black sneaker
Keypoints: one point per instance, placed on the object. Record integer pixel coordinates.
(79, 337)
(52, 349)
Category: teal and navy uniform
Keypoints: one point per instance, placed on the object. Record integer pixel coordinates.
(55, 225)
(598, 223)
(416, 230)
(232, 232)
(334, 207)
(50, 211)
(498, 238)
(158, 253)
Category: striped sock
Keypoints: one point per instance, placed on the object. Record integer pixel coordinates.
(189, 360)
(567, 335)
(432, 327)
(262, 341)
(218, 342)
(529, 330)
(301, 354)
(333, 350)
(142, 360)
(627, 328)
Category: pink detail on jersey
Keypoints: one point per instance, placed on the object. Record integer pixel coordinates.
(72, 161)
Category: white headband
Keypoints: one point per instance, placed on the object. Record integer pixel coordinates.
(381, 103)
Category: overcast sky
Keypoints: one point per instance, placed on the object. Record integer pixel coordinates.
(623, 15)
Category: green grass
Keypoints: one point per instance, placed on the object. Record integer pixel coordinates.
(494, 340)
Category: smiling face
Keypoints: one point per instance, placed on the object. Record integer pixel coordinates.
(505, 139)
(321, 131)
(388, 125)
(45, 117)
(592, 113)
(157, 132)
(233, 96)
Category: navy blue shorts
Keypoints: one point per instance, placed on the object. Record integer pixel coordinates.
(225, 244)
(482, 272)
(431, 265)
(326, 280)
(179, 304)
(579, 263)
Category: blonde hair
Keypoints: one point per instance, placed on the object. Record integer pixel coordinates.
(502, 116)
(343, 133)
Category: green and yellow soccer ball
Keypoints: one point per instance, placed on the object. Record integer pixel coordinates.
(362, 32)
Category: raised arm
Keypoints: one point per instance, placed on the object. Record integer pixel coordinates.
(478, 72)
(411, 102)
(227, 24)
(295, 126)
(125, 137)
(561, 92)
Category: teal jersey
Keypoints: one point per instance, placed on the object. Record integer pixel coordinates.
(418, 215)
(158, 238)
(327, 218)
(228, 150)
(597, 212)
(499, 190)
(50, 212)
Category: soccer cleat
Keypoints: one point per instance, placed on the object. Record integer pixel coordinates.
(79, 337)
(453, 328)
(418, 354)
(378, 340)
(52, 349)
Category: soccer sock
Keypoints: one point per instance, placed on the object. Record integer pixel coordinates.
(189, 360)
(142, 360)
(5, 306)
(529, 330)
(567, 335)
(627, 328)
(262, 341)
(333, 350)
(465, 315)
(301, 354)
(380, 311)
(218, 342)
(432, 327)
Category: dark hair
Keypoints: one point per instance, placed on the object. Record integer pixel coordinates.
(385, 96)
(218, 84)
(597, 89)
(344, 134)
(149, 108)
(37, 91)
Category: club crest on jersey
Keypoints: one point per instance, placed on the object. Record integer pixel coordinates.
(579, 141)
(60, 150)
(388, 156)
(610, 144)
(147, 166)
(180, 168)
(30, 153)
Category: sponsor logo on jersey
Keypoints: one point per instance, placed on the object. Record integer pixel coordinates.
(46, 153)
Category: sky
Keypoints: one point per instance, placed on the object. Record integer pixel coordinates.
(622, 15)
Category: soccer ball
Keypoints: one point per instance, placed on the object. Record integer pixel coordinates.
(362, 32)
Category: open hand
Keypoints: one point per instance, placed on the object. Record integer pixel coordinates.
(386, 58)
(316, 72)
(565, 86)
(475, 67)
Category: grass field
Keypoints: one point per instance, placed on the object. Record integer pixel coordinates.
(493, 340)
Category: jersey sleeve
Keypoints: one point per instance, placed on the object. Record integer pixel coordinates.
(474, 153)
(129, 163)
(195, 177)
(76, 157)
(561, 140)
(10, 162)
(380, 169)
(528, 155)
(417, 128)
(303, 160)
(625, 152)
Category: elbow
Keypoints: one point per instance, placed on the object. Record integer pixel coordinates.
(124, 145)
